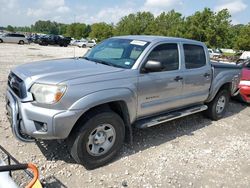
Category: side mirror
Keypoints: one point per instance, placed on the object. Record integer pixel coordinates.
(153, 66)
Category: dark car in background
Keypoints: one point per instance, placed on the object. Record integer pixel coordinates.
(54, 40)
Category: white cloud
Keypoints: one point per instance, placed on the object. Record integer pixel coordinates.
(161, 3)
(63, 9)
(48, 8)
(113, 14)
(233, 6)
(8, 5)
(37, 12)
(53, 3)
(158, 6)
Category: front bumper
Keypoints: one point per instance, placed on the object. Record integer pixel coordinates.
(31, 122)
(245, 93)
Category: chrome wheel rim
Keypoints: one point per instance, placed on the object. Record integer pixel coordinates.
(101, 139)
(221, 104)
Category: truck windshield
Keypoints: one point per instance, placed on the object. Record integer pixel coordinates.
(117, 52)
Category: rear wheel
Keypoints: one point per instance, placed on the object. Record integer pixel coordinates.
(21, 42)
(98, 139)
(217, 107)
(1, 41)
(84, 46)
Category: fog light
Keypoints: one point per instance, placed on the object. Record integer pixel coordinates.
(44, 127)
(41, 126)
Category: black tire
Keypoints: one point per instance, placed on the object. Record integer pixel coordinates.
(21, 42)
(78, 141)
(1, 41)
(84, 46)
(211, 112)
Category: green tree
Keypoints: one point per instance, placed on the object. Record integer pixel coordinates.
(10, 28)
(47, 27)
(101, 31)
(135, 24)
(209, 27)
(77, 30)
(243, 40)
(167, 24)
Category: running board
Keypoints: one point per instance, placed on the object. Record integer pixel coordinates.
(152, 121)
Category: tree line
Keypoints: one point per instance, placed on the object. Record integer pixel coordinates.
(213, 28)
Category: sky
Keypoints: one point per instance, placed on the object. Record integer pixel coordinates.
(27, 12)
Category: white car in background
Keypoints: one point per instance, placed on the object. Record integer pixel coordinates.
(13, 38)
(214, 53)
(83, 43)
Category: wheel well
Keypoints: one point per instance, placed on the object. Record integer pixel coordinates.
(226, 86)
(118, 107)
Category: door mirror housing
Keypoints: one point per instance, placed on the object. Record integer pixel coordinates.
(153, 66)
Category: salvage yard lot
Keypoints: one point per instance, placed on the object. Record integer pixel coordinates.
(190, 152)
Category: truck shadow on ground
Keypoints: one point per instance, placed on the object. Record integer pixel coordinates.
(146, 138)
(52, 182)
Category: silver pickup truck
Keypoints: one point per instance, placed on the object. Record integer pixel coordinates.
(125, 81)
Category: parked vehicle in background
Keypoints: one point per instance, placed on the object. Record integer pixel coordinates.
(124, 81)
(54, 40)
(214, 53)
(245, 55)
(13, 38)
(34, 38)
(83, 43)
(244, 85)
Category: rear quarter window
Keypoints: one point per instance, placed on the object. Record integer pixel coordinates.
(194, 56)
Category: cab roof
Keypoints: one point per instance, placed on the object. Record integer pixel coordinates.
(153, 38)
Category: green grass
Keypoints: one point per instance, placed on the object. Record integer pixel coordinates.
(229, 54)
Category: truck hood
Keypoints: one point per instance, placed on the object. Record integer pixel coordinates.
(60, 70)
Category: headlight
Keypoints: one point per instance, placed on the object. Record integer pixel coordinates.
(47, 94)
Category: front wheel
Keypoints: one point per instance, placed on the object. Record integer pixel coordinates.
(217, 107)
(98, 140)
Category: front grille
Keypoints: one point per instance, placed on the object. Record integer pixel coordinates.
(17, 85)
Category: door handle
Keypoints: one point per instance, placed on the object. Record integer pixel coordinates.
(206, 75)
(178, 78)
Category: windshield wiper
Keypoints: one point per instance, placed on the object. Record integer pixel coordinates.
(102, 62)
(86, 58)
(105, 62)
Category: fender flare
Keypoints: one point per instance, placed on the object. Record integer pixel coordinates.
(106, 96)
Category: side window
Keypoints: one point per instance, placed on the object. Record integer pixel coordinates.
(167, 54)
(194, 56)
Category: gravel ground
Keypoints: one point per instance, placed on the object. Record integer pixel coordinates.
(189, 152)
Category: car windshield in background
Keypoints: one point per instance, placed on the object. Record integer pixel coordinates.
(117, 52)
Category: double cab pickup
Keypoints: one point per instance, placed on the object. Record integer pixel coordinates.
(95, 101)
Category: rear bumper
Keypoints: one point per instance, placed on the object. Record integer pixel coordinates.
(30, 122)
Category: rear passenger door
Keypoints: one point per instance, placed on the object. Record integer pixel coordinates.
(197, 74)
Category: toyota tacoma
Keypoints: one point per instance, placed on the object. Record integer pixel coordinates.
(95, 101)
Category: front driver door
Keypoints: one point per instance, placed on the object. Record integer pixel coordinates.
(160, 91)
